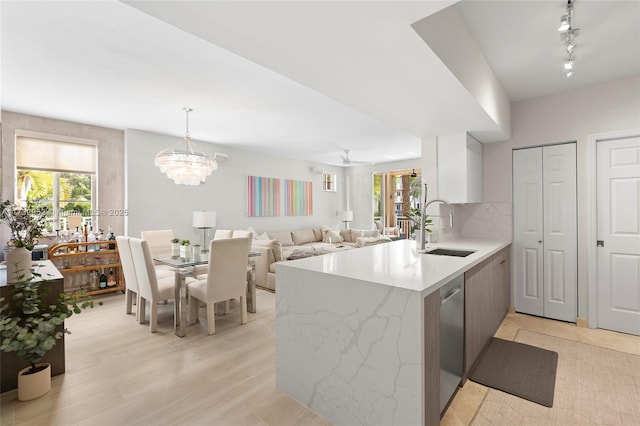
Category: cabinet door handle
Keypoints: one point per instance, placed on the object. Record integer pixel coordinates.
(452, 293)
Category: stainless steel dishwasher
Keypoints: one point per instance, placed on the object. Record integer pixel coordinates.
(451, 338)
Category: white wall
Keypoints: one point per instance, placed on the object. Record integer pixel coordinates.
(155, 202)
(569, 116)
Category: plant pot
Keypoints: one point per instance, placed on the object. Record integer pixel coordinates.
(18, 263)
(183, 251)
(196, 252)
(175, 249)
(32, 386)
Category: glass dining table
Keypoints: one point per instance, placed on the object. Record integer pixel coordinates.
(190, 266)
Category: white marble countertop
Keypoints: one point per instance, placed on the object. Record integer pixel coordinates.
(399, 263)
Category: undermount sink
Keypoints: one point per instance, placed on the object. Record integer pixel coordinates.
(450, 252)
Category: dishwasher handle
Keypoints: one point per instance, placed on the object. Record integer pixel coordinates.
(444, 299)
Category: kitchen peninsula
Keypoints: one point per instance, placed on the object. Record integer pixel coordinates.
(357, 332)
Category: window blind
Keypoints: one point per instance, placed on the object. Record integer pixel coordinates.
(43, 154)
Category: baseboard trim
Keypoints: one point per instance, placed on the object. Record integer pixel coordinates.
(582, 322)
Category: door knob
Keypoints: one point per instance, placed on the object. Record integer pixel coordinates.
(539, 241)
(600, 243)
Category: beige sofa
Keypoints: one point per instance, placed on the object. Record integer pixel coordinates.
(289, 245)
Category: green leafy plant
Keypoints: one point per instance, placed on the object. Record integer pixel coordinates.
(28, 326)
(25, 223)
(415, 215)
(185, 242)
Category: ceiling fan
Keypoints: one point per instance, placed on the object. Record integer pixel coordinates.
(347, 161)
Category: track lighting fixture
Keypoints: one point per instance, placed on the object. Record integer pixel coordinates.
(568, 36)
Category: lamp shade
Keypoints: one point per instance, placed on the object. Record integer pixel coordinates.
(345, 215)
(204, 219)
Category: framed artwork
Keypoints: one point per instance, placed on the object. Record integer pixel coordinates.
(263, 196)
(329, 182)
(298, 196)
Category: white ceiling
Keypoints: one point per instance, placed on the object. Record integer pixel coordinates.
(298, 79)
(521, 42)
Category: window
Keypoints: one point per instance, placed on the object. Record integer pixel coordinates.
(59, 176)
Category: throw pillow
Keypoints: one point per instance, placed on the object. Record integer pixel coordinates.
(346, 236)
(262, 236)
(331, 236)
(303, 236)
(274, 245)
(253, 232)
(284, 237)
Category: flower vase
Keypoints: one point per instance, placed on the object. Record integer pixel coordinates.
(18, 265)
(196, 252)
(183, 251)
(34, 385)
(175, 249)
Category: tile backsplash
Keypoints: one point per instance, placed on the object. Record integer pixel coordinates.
(484, 220)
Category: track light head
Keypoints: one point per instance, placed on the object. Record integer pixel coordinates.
(565, 23)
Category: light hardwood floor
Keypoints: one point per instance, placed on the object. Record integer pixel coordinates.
(118, 373)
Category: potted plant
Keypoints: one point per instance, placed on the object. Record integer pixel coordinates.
(30, 328)
(415, 215)
(184, 244)
(26, 225)
(196, 251)
(175, 244)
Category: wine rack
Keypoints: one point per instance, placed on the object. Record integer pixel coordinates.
(78, 265)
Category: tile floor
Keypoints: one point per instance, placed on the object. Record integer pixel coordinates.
(469, 398)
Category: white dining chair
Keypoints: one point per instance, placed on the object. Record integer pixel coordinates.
(151, 288)
(159, 239)
(221, 234)
(226, 279)
(129, 272)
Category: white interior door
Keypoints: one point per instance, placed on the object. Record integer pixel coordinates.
(560, 232)
(618, 210)
(528, 231)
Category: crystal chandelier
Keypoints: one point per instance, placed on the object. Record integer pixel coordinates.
(183, 163)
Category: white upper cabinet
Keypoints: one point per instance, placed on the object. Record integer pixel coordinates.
(459, 169)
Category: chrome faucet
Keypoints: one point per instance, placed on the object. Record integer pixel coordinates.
(423, 226)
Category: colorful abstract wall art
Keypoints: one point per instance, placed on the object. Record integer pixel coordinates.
(298, 197)
(263, 196)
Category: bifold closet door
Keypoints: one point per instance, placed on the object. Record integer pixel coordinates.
(527, 230)
(545, 231)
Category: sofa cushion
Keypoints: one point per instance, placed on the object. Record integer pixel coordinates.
(274, 245)
(303, 236)
(346, 235)
(332, 237)
(362, 233)
(283, 236)
(318, 234)
(371, 241)
(222, 233)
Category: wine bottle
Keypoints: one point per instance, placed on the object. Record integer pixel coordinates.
(112, 237)
(111, 279)
(78, 238)
(103, 279)
(91, 238)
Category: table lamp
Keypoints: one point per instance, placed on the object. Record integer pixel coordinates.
(345, 216)
(204, 220)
